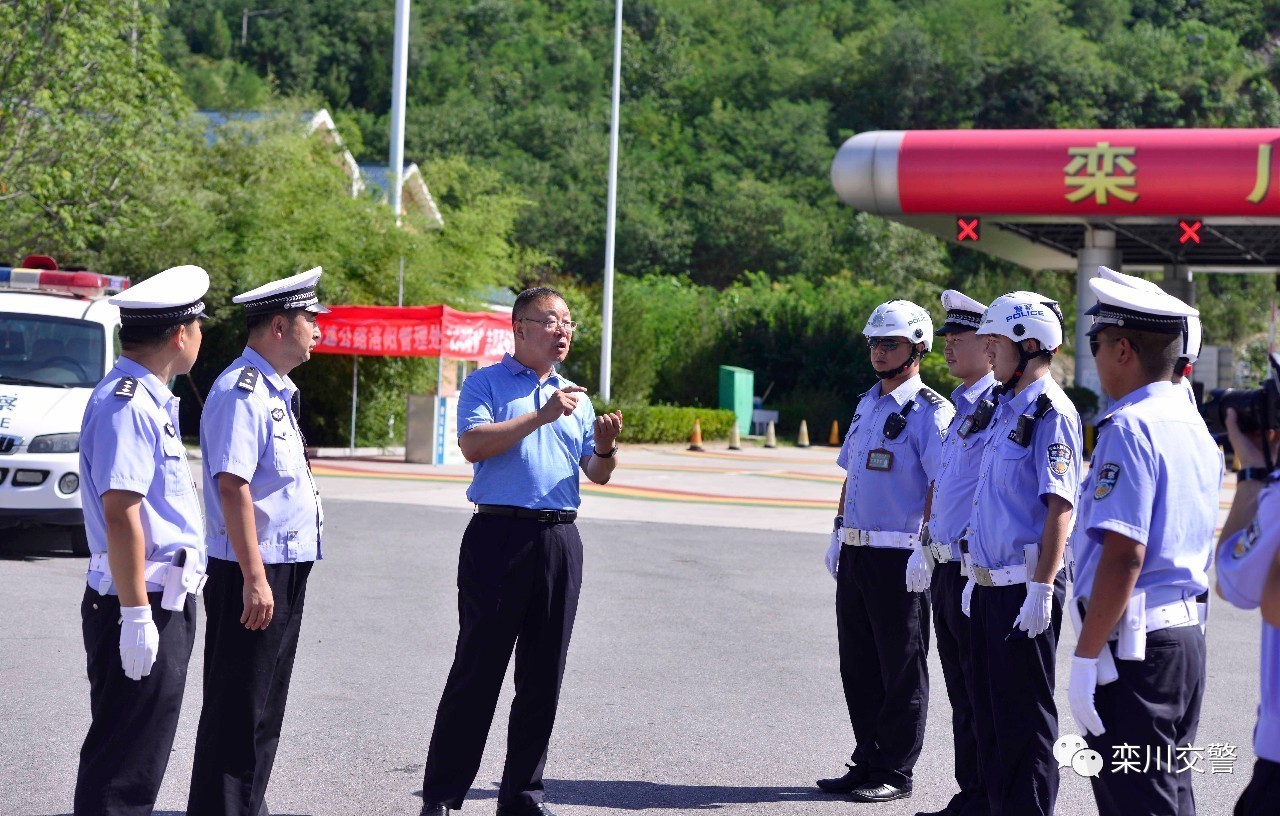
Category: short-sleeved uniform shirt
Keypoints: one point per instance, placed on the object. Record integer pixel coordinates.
(249, 429)
(1011, 500)
(1243, 562)
(887, 480)
(1154, 478)
(130, 440)
(540, 472)
(958, 473)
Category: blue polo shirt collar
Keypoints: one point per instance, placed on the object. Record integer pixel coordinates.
(510, 363)
(1022, 401)
(905, 391)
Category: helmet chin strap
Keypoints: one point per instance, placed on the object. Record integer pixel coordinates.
(1024, 360)
(916, 356)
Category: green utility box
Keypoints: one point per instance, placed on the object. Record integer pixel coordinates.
(737, 386)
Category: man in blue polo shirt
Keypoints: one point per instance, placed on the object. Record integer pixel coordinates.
(527, 430)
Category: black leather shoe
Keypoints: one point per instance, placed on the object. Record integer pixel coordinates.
(855, 778)
(539, 809)
(434, 809)
(883, 792)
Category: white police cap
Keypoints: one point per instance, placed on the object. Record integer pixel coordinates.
(169, 298)
(294, 292)
(963, 312)
(1132, 281)
(1141, 309)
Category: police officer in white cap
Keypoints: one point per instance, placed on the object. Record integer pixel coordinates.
(142, 518)
(890, 456)
(264, 535)
(1142, 542)
(950, 507)
(1027, 486)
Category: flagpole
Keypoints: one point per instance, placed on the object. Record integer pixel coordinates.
(606, 339)
(399, 73)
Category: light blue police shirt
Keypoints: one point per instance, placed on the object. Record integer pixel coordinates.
(248, 430)
(958, 474)
(134, 443)
(1006, 516)
(1242, 563)
(540, 472)
(1154, 478)
(892, 500)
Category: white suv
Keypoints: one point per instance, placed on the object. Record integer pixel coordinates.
(57, 340)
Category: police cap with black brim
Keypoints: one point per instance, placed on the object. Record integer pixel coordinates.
(1145, 310)
(169, 298)
(963, 313)
(294, 292)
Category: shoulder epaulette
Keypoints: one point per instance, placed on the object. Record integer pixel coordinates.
(127, 387)
(930, 396)
(248, 378)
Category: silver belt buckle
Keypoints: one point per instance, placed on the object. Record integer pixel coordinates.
(982, 575)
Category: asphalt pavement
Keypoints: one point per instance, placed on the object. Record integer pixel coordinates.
(702, 676)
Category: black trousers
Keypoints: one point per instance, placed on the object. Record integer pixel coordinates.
(123, 759)
(246, 686)
(1154, 705)
(1012, 678)
(952, 628)
(884, 648)
(1260, 797)
(518, 586)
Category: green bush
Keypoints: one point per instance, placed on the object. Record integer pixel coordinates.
(669, 423)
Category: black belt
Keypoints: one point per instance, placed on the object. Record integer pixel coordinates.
(545, 516)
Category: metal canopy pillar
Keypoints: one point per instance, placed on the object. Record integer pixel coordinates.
(1178, 282)
(1099, 250)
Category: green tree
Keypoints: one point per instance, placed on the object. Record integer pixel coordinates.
(88, 117)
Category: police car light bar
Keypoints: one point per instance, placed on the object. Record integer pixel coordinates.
(82, 284)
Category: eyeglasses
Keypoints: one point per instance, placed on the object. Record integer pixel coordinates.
(1096, 342)
(570, 326)
(886, 343)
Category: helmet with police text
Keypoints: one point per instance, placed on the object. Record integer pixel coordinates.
(901, 318)
(1025, 316)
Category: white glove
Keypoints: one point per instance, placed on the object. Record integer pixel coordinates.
(139, 641)
(1037, 609)
(917, 571)
(1080, 690)
(966, 596)
(833, 553)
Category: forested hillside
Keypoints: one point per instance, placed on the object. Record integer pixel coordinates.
(732, 247)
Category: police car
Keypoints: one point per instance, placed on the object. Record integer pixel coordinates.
(57, 340)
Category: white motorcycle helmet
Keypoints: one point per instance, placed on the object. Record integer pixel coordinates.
(901, 318)
(1025, 316)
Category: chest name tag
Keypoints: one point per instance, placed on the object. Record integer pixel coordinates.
(879, 459)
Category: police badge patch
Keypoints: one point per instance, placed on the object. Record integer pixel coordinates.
(1108, 475)
(1059, 459)
(277, 414)
(1247, 540)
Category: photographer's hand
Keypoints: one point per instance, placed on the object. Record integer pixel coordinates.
(1248, 446)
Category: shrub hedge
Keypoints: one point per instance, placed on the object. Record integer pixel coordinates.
(669, 423)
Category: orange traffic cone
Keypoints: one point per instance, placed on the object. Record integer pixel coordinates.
(834, 439)
(770, 439)
(735, 441)
(695, 438)
(802, 441)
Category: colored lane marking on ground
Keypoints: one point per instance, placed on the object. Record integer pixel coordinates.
(746, 456)
(613, 490)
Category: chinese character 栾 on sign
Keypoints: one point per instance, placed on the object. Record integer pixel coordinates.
(1099, 177)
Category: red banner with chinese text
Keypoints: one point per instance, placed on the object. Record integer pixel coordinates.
(1193, 172)
(415, 331)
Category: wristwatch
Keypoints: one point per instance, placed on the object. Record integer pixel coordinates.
(608, 455)
(1254, 474)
